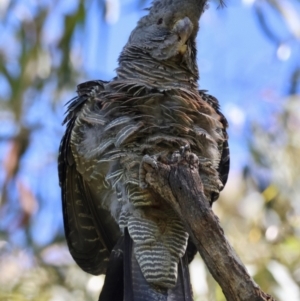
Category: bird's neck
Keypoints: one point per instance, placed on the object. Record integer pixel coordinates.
(136, 66)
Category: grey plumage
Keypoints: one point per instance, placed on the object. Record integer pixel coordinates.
(152, 107)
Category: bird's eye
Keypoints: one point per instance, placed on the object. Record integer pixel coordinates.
(160, 20)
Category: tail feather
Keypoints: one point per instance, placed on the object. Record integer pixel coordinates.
(114, 281)
(141, 289)
(183, 290)
(128, 285)
(125, 282)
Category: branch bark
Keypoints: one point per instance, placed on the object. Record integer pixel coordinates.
(179, 184)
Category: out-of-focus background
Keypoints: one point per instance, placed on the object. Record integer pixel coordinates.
(249, 58)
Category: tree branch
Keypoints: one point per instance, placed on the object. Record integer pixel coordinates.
(180, 185)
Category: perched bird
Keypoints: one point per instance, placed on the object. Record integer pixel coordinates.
(114, 224)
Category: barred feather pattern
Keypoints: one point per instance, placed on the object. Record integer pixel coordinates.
(159, 242)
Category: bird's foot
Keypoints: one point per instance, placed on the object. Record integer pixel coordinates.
(184, 155)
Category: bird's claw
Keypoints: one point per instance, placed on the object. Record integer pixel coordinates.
(185, 154)
(184, 149)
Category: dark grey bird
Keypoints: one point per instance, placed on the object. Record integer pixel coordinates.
(114, 224)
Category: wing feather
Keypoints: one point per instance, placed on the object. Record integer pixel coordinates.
(90, 231)
(224, 164)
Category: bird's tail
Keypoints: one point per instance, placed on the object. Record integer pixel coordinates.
(125, 282)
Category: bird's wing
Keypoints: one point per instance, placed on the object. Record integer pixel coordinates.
(224, 164)
(90, 230)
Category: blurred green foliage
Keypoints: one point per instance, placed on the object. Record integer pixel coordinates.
(259, 209)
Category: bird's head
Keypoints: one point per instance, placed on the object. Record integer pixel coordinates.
(165, 36)
(165, 31)
(168, 28)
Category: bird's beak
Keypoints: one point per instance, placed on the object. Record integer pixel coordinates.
(183, 28)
